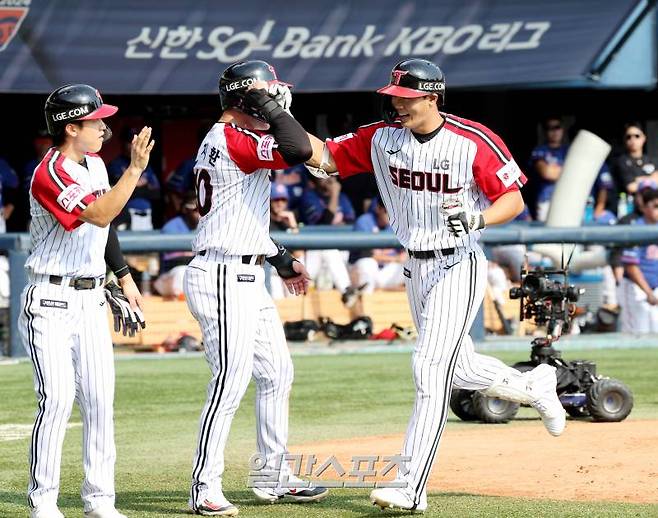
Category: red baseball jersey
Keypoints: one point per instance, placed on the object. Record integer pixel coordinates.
(465, 164)
(60, 190)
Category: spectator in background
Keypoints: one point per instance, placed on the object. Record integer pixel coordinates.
(323, 204)
(633, 165)
(181, 180)
(638, 290)
(294, 178)
(379, 268)
(172, 264)
(281, 217)
(41, 143)
(140, 205)
(8, 191)
(616, 266)
(546, 162)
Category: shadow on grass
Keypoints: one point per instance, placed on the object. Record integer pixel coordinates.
(174, 503)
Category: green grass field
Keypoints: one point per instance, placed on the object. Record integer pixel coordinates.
(157, 408)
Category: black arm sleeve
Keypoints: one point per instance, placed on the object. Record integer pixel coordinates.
(282, 261)
(294, 144)
(113, 256)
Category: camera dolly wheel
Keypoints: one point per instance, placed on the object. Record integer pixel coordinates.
(609, 400)
(461, 403)
(493, 410)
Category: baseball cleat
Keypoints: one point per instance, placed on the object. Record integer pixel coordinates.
(220, 508)
(392, 498)
(104, 511)
(544, 383)
(46, 511)
(301, 495)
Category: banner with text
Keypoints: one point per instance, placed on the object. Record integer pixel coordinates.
(168, 46)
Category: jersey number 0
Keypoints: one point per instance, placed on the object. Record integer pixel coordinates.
(203, 192)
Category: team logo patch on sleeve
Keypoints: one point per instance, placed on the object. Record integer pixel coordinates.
(71, 196)
(58, 304)
(509, 174)
(265, 148)
(243, 277)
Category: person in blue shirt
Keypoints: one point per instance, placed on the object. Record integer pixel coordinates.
(638, 290)
(172, 264)
(140, 205)
(323, 203)
(378, 268)
(8, 189)
(547, 160)
(180, 182)
(294, 178)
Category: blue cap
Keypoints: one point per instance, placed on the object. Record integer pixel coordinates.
(278, 192)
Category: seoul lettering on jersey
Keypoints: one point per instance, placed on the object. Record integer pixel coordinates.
(421, 181)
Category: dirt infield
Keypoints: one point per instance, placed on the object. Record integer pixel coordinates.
(615, 462)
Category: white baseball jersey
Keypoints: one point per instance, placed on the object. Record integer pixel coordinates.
(60, 190)
(242, 331)
(464, 163)
(232, 172)
(65, 331)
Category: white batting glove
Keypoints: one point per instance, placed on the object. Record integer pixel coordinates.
(282, 95)
(463, 223)
(318, 172)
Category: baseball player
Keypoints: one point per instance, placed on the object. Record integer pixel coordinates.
(224, 284)
(63, 324)
(443, 179)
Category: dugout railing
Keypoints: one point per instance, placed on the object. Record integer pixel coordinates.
(17, 246)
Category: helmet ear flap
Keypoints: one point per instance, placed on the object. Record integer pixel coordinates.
(389, 114)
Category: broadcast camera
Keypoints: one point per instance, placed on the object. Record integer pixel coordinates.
(549, 300)
(546, 300)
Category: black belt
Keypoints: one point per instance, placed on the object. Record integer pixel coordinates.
(78, 283)
(430, 254)
(258, 260)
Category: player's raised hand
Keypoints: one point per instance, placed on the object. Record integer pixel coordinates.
(140, 150)
(298, 285)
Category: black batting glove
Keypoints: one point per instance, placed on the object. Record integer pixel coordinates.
(127, 320)
(262, 103)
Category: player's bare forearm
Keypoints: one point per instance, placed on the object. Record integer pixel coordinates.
(550, 172)
(131, 292)
(504, 209)
(318, 145)
(103, 210)
(601, 200)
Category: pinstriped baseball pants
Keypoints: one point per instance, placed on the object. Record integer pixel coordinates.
(444, 294)
(66, 335)
(243, 338)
